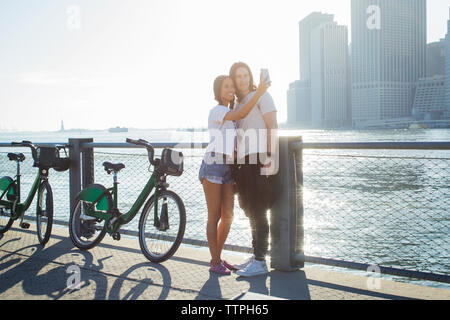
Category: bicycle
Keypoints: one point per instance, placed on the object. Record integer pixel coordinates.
(95, 210)
(12, 209)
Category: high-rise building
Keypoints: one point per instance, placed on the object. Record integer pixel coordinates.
(388, 57)
(329, 87)
(436, 59)
(306, 27)
(320, 98)
(429, 98)
(299, 103)
(447, 70)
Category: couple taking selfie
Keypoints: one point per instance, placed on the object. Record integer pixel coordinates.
(240, 158)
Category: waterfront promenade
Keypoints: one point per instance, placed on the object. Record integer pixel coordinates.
(118, 270)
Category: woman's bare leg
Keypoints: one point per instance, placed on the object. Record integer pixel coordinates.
(213, 195)
(227, 214)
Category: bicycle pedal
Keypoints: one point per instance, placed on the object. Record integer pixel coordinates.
(116, 236)
(25, 225)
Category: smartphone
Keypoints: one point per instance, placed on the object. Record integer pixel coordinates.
(265, 75)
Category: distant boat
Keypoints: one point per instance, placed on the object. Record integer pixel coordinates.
(192, 129)
(415, 126)
(117, 130)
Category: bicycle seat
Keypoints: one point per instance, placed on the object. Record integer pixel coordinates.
(16, 157)
(115, 167)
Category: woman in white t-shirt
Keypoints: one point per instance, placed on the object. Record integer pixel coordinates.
(215, 172)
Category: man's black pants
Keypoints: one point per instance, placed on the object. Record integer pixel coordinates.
(252, 189)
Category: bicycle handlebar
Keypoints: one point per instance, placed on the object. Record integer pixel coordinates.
(28, 144)
(147, 145)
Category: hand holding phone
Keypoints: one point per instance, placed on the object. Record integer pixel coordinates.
(264, 82)
(265, 76)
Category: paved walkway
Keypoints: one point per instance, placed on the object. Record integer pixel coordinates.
(118, 270)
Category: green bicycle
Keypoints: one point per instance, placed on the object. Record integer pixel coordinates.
(11, 207)
(163, 219)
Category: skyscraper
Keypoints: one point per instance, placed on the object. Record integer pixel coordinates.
(299, 103)
(320, 98)
(429, 102)
(306, 27)
(329, 87)
(388, 57)
(447, 69)
(436, 58)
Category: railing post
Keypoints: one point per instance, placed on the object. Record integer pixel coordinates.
(75, 168)
(87, 164)
(286, 224)
(299, 214)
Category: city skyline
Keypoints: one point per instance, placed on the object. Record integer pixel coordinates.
(390, 60)
(98, 64)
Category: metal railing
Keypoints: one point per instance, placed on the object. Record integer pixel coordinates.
(351, 205)
(377, 204)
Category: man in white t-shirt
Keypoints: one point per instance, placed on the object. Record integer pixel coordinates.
(257, 145)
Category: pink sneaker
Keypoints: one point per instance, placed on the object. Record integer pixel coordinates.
(229, 266)
(220, 269)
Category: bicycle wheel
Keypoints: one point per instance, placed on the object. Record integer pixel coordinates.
(159, 243)
(86, 231)
(44, 213)
(6, 221)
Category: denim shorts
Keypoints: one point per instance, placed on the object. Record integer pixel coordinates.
(215, 173)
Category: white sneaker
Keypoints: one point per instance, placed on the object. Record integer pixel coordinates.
(257, 268)
(247, 262)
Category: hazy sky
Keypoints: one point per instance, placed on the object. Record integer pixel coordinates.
(147, 63)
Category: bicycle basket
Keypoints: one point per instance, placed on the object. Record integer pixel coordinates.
(48, 157)
(171, 163)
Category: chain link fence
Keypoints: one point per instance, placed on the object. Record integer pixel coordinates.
(390, 210)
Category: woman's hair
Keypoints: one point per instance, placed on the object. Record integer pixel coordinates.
(218, 84)
(234, 69)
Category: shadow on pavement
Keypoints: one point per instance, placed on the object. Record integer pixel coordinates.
(38, 271)
(39, 276)
(368, 293)
(142, 284)
(290, 286)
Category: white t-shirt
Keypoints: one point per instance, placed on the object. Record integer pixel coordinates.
(222, 133)
(252, 130)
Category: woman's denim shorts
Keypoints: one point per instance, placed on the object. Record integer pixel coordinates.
(215, 173)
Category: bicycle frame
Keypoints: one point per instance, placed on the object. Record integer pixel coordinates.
(114, 213)
(21, 208)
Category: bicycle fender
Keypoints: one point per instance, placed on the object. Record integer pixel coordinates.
(93, 193)
(7, 183)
